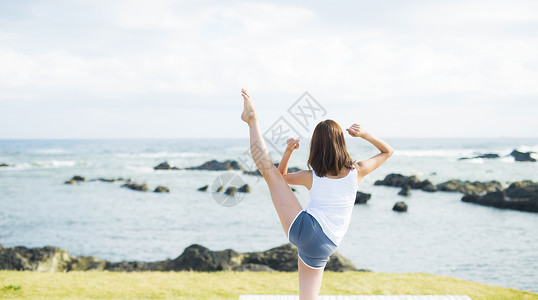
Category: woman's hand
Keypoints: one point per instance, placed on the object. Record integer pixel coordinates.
(292, 144)
(356, 130)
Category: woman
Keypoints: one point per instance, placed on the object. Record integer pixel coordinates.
(333, 182)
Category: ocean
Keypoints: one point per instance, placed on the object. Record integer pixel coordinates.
(439, 233)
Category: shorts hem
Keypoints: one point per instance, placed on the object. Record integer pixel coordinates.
(310, 265)
(291, 224)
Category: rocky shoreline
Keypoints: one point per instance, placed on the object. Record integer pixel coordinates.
(75, 180)
(193, 258)
(519, 195)
(517, 155)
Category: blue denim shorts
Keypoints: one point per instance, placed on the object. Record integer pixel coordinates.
(313, 246)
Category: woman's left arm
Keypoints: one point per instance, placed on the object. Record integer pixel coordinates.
(292, 145)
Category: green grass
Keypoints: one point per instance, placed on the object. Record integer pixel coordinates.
(218, 285)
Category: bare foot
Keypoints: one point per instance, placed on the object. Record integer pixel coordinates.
(249, 111)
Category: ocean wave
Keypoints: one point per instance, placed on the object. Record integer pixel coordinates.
(507, 159)
(436, 153)
(49, 151)
(525, 148)
(457, 153)
(475, 160)
(140, 169)
(158, 155)
(47, 164)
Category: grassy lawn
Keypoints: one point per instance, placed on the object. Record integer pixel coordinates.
(218, 285)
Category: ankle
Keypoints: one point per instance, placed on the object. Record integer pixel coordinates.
(253, 121)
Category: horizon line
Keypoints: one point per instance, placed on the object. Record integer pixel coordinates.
(229, 138)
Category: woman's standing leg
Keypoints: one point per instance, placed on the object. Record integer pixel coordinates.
(286, 204)
(309, 281)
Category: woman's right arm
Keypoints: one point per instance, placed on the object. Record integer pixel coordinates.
(292, 144)
(365, 167)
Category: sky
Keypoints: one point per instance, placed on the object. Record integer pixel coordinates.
(175, 69)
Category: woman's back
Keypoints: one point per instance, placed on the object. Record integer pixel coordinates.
(332, 201)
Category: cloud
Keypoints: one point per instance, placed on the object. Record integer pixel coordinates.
(107, 55)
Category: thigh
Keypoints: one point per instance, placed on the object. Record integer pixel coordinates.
(286, 203)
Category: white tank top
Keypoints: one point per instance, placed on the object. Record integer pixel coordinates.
(332, 202)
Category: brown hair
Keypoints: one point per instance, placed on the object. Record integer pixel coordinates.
(328, 153)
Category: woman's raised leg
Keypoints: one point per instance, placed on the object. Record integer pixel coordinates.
(286, 204)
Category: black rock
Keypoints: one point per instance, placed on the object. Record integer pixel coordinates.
(338, 263)
(487, 155)
(522, 156)
(230, 190)
(134, 266)
(470, 188)
(203, 188)
(136, 187)
(164, 166)
(245, 188)
(48, 259)
(199, 258)
(399, 180)
(106, 179)
(76, 179)
(194, 258)
(406, 191)
(522, 189)
(161, 189)
(252, 268)
(257, 172)
(362, 198)
(214, 165)
(520, 195)
(453, 185)
(428, 186)
(400, 206)
(490, 199)
(4, 165)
